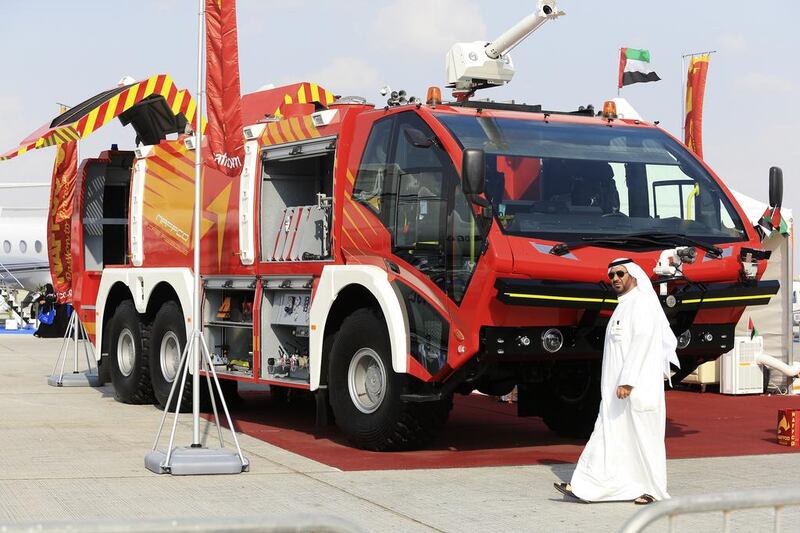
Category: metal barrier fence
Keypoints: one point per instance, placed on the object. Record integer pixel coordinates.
(725, 502)
(250, 524)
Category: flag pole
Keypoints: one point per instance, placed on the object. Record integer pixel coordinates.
(197, 459)
(198, 176)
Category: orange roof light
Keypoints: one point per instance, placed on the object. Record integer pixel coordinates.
(434, 96)
(610, 109)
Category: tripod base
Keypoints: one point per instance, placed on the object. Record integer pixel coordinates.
(86, 378)
(187, 461)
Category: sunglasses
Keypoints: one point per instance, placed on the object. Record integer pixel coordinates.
(619, 273)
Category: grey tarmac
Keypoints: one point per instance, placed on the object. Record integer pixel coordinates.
(74, 454)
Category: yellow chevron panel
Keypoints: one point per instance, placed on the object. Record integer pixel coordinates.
(90, 122)
(311, 128)
(301, 95)
(112, 106)
(294, 123)
(273, 131)
(150, 87)
(287, 131)
(178, 102)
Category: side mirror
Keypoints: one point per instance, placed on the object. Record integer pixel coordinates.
(473, 171)
(775, 187)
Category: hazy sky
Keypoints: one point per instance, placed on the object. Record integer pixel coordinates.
(56, 51)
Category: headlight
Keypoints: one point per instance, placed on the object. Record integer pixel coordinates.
(552, 340)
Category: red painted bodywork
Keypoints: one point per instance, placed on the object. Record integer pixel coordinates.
(360, 238)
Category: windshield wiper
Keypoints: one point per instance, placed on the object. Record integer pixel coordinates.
(652, 239)
(711, 250)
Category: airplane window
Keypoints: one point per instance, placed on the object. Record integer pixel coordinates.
(38, 247)
(7, 247)
(23, 246)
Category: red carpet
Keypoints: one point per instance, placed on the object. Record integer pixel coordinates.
(484, 432)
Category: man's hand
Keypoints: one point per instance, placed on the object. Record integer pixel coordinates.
(624, 391)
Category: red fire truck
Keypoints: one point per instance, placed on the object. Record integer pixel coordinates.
(386, 258)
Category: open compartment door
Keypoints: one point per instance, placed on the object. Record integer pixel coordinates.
(155, 107)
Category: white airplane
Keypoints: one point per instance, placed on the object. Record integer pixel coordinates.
(23, 243)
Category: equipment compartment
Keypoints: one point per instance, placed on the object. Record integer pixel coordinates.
(284, 325)
(228, 324)
(297, 185)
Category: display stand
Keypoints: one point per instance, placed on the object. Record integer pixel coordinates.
(197, 459)
(75, 333)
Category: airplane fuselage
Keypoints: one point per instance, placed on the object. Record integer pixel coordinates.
(23, 248)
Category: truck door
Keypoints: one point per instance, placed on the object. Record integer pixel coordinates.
(434, 238)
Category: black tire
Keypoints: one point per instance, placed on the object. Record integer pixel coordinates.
(571, 402)
(167, 343)
(392, 425)
(128, 345)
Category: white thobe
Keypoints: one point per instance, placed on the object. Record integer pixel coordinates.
(625, 456)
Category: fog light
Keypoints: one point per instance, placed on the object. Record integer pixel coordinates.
(684, 339)
(552, 340)
(524, 340)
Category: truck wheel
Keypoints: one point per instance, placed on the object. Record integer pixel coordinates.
(129, 365)
(365, 391)
(571, 403)
(167, 342)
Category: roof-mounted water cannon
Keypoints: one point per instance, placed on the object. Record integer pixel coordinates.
(478, 65)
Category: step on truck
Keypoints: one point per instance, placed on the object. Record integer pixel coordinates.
(387, 257)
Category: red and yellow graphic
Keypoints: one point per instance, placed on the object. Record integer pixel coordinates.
(289, 130)
(62, 194)
(695, 93)
(307, 93)
(168, 204)
(86, 118)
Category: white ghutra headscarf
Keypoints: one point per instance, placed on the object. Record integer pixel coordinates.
(645, 287)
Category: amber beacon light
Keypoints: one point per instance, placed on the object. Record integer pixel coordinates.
(434, 96)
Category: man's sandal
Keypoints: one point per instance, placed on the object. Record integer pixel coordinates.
(644, 499)
(566, 489)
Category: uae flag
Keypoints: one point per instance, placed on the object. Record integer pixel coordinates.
(634, 67)
(752, 328)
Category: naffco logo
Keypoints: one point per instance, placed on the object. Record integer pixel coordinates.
(224, 160)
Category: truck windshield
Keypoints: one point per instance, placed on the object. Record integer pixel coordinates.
(561, 182)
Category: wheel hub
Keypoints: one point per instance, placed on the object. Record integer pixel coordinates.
(126, 352)
(170, 356)
(366, 380)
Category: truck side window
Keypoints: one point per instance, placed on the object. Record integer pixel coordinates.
(371, 187)
(464, 245)
(424, 174)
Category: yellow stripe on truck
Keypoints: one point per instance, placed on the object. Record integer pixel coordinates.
(727, 299)
(558, 298)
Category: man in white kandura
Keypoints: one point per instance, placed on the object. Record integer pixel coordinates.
(625, 458)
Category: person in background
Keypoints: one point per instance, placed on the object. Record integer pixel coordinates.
(625, 458)
(53, 317)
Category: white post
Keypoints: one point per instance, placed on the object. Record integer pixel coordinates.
(198, 207)
(77, 337)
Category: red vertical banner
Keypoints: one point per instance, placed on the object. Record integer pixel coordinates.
(62, 195)
(223, 93)
(695, 93)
